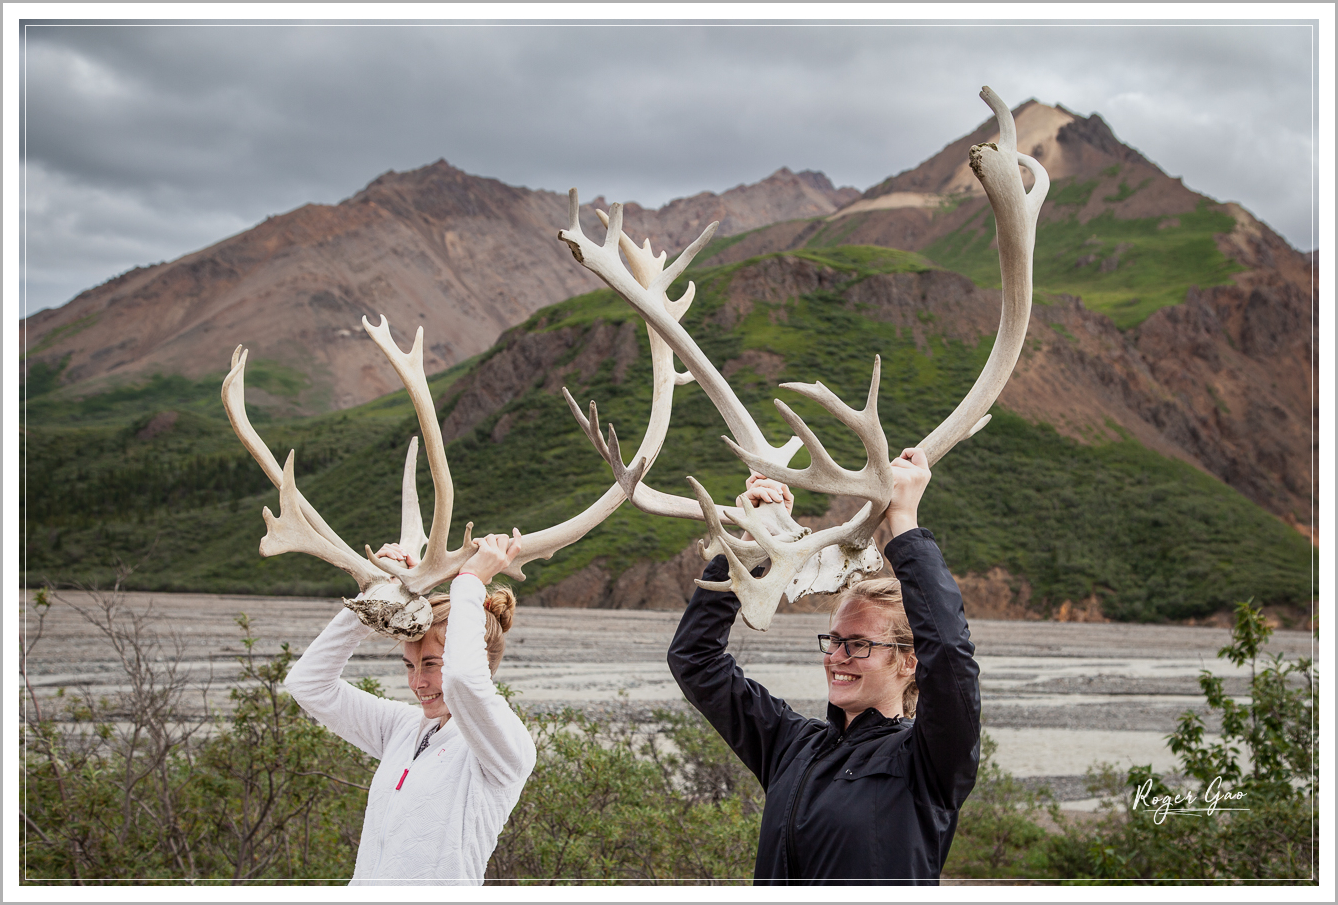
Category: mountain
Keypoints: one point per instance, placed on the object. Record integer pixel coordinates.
(464, 256)
(1150, 458)
(1103, 193)
(1169, 269)
(1035, 523)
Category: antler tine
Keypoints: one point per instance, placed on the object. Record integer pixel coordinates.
(412, 537)
(646, 266)
(438, 563)
(627, 478)
(824, 475)
(234, 403)
(651, 303)
(1015, 213)
(789, 558)
(290, 532)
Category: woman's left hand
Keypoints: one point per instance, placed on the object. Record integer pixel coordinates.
(765, 490)
(910, 476)
(493, 554)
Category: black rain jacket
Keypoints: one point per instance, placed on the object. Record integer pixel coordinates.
(872, 802)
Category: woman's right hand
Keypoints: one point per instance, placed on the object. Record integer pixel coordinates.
(764, 490)
(493, 554)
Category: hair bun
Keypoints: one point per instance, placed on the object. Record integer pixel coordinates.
(501, 602)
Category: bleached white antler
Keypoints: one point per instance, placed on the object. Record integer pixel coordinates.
(644, 284)
(392, 598)
(803, 562)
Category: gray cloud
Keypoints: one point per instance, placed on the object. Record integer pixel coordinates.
(145, 142)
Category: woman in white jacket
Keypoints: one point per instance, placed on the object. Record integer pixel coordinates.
(451, 772)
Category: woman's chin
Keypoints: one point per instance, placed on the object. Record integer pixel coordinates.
(435, 709)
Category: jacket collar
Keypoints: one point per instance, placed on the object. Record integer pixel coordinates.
(869, 723)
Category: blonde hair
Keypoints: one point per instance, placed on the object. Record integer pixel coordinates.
(499, 611)
(885, 594)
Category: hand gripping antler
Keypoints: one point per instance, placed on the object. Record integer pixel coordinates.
(1016, 212)
(799, 563)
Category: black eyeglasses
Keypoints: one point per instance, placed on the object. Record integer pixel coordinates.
(856, 648)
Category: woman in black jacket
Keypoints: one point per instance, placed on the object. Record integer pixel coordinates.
(870, 795)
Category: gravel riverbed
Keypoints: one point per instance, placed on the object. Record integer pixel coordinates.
(1056, 697)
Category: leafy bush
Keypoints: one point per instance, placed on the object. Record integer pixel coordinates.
(998, 833)
(624, 802)
(139, 787)
(1234, 820)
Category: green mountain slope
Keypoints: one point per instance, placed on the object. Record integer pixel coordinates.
(1124, 268)
(1153, 537)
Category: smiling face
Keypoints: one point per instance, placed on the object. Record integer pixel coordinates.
(877, 681)
(423, 661)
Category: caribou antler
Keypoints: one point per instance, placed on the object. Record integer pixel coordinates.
(301, 525)
(644, 286)
(1015, 211)
(392, 598)
(802, 562)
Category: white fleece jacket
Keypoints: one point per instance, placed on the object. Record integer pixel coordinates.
(434, 820)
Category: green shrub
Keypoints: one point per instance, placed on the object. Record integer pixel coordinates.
(139, 787)
(998, 834)
(1231, 820)
(617, 802)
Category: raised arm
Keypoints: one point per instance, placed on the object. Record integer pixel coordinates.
(352, 714)
(492, 730)
(754, 723)
(946, 734)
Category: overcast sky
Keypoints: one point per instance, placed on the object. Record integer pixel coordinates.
(146, 142)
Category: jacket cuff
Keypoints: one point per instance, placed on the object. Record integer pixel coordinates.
(717, 569)
(905, 545)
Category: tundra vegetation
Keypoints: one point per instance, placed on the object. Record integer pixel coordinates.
(147, 787)
(1151, 537)
(1126, 269)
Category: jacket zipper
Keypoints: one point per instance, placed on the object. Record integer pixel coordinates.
(790, 857)
(381, 855)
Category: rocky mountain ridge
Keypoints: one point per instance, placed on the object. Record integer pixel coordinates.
(920, 206)
(464, 256)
